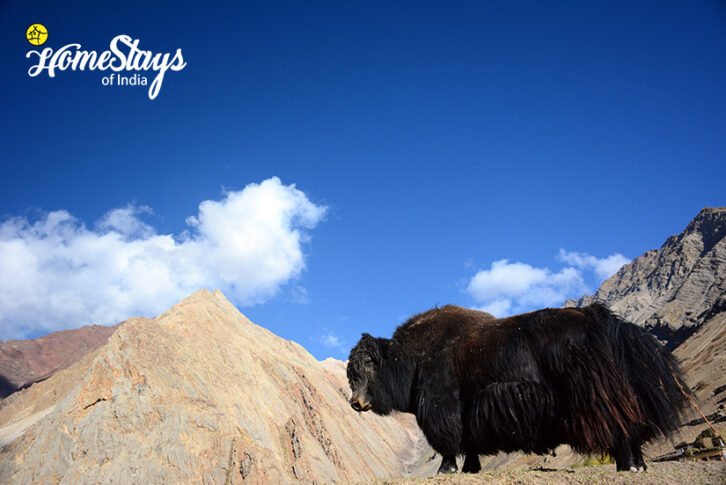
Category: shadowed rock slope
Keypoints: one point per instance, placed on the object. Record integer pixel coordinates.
(23, 362)
(198, 395)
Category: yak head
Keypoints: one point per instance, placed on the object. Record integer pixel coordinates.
(378, 378)
(364, 363)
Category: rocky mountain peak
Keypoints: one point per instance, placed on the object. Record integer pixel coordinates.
(203, 307)
(674, 289)
(708, 227)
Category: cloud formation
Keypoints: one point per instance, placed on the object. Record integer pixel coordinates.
(335, 344)
(604, 268)
(332, 341)
(506, 288)
(57, 273)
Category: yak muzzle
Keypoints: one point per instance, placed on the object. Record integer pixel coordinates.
(360, 405)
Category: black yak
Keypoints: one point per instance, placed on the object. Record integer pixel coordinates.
(477, 385)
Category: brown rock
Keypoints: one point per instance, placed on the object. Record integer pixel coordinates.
(23, 362)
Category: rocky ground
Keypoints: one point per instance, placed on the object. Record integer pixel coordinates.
(676, 473)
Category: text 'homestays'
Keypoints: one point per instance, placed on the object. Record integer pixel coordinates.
(123, 55)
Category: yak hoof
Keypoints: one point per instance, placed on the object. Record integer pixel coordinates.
(634, 469)
(447, 469)
(448, 465)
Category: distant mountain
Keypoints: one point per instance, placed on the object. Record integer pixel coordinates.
(198, 395)
(677, 288)
(23, 362)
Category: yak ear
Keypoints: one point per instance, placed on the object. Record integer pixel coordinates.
(383, 348)
(376, 347)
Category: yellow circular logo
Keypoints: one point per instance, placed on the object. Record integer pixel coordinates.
(37, 34)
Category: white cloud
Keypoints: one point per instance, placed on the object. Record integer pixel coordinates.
(499, 307)
(57, 273)
(604, 268)
(507, 288)
(126, 221)
(298, 294)
(333, 342)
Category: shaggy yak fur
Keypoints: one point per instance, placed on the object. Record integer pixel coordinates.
(478, 385)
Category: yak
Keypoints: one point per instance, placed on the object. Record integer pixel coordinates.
(478, 385)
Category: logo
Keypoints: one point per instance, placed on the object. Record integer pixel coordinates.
(129, 64)
(36, 34)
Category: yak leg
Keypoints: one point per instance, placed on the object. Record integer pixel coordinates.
(448, 464)
(439, 415)
(441, 424)
(638, 457)
(471, 463)
(623, 455)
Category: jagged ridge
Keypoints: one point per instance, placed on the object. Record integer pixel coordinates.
(675, 289)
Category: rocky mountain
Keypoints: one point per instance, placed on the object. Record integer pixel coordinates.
(677, 288)
(198, 395)
(23, 362)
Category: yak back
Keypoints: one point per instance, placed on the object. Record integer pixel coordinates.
(439, 327)
(487, 348)
(523, 347)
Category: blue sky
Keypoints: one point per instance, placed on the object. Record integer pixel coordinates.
(427, 143)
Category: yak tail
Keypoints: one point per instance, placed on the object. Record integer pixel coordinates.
(654, 374)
